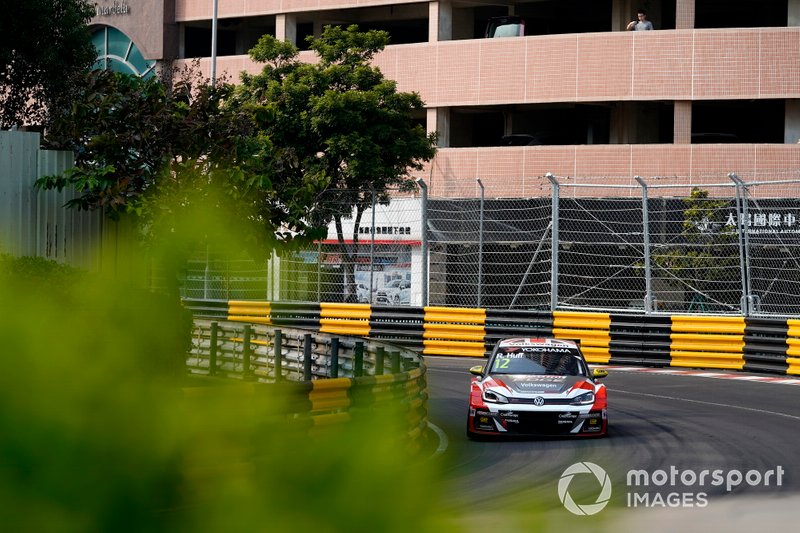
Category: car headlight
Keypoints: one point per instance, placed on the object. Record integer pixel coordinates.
(494, 397)
(583, 399)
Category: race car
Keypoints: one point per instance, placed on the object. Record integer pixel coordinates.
(537, 387)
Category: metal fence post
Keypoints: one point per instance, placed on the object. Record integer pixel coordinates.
(480, 243)
(424, 230)
(319, 271)
(335, 357)
(246, 351)
(554, 245)
(307, 357)
(648, 273)
(278, 356)
(212, 354)
(372, 250)
(380, 353)
(395, 362)
(741, 230)
(358, 360)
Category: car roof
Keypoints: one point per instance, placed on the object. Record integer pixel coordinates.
(536, 341)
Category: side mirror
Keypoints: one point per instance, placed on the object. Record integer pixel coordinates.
(599, 373)
(476, 370)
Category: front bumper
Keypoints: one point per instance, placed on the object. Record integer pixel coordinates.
(537, 423)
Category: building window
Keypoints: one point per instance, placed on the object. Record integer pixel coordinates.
(115, 51)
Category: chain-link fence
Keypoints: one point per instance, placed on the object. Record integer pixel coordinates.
(726, 246)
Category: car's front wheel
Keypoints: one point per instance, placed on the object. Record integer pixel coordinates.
(471, 435)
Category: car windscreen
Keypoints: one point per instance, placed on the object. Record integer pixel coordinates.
(538, 360)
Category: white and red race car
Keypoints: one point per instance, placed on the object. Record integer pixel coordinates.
(539, 387)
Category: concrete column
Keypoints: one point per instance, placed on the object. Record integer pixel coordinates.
(794, 13)
(682, 130)
(684, 14)
(440, 21)
(286, 27)
(181, 41)
(622, 127)
(622, 12)
(791, 132)
(438, 120)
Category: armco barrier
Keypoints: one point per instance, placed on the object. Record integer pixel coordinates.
(640, 339)
(454, 331)
(707, 342)
(690, 341)
(328, 378)
(766, 345)
(593, 330)
(793, 341)
(502, 324)
(399, 325)
(344, 319)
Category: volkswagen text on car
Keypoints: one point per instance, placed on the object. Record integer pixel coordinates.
(537, 386)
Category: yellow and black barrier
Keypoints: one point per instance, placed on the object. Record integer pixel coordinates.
(454, 331)
(754, 344)
(707, 342)
(345, 319)
(793, 350)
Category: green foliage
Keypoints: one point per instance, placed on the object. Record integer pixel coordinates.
(43, 44)
(101, 431)
(37, 271)
(127, 131)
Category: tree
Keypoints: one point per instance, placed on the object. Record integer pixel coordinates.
(43, 44)
(165, 153)
(706, 255)
(339, 131)
(290, 150)
(127, 133)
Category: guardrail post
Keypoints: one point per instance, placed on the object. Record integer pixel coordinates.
(358, 360)
(395, 362)
(335, 357)
(278, 362)
(307, 356)
(744, 242)
(480, 244)
(380, 353)
(424, 224)
(554, 216)
(246, 352)
(648, 273)
(212, 353)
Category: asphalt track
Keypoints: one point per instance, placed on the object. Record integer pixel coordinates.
(679, 424)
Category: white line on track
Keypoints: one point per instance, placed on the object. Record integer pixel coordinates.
(751, 409)
(702, 374)
(443, 440)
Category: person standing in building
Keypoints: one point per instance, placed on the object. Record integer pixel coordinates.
(642, 24)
